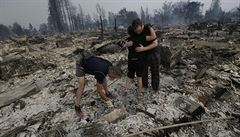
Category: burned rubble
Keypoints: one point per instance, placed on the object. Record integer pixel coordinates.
(199, 80)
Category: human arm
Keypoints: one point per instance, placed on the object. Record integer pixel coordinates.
(81, 86)
(149, 47)
(152, 35)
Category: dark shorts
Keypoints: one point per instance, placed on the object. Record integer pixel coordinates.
(80, 72)
(79, 69)
(135, 67)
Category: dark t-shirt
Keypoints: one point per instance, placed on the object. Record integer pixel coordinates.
(96, 66)
(139, 39)
(133, 55)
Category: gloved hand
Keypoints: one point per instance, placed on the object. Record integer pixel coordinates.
(79, 111)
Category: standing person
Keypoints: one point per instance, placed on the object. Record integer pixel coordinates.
(150, 51)
(87, 63)
(134, 66)
(135, 60)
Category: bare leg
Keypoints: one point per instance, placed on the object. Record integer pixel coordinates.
(139, 85)
(102, 92)
(81, 86)
(128, 84)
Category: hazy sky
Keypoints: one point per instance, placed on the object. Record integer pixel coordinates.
(36, 11)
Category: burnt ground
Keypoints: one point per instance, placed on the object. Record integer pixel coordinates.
(202, 69)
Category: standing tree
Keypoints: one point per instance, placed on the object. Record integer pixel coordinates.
(43, 29)
(101, 15)
(193, 12)
(55, 18)
(143, 16)
(148, 17)
(166, 13)
(4, 32)
(115, 24)
(17, 29)
(81, 17)
(125, 17)
(88, 21)
(111, 18)
(214, 13)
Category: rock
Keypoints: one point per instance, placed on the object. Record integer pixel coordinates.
(219, 91)
(169, 57)
(114, 115)
(173, 134)
(236, 130)
(151, 110)
(19, 104)
(23, 134)
(34, 127)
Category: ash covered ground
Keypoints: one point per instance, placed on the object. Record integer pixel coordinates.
(199, 66)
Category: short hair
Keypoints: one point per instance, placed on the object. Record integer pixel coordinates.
(116, 70)
(137, 22)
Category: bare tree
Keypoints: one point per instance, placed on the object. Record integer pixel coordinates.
(125, 17)
(88, 21)
(215, 11)
(4, 32)
(147, 18)
(68, 11)
(166, 12)
(143, 16)
(101, 14)
(17, 29)
(81, 17)
(55, 17)
(115, 24)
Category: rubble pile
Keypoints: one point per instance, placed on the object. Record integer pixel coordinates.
(199, 80)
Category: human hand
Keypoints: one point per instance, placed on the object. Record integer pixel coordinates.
(140, 49)
(128, 44)
(79, 111)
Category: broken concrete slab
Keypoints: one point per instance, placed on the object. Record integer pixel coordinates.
(112, 46)
(36, 40)
(11, 57)
(19, 40)
(24, 90)
(17, 64)
(14, 132)
(64, 42)
(114, 115)
(188, 106)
